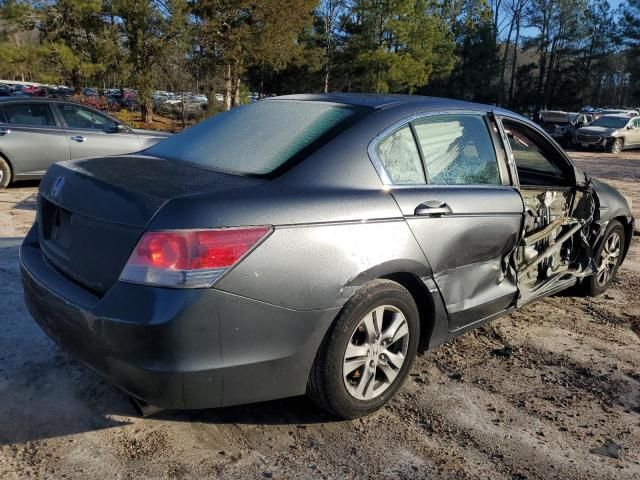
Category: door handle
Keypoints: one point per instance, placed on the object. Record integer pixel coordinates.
(78, 138)
(433, 207)
(5, 131)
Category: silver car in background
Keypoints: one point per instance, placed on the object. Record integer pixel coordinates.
(34, 133)
(612, 133)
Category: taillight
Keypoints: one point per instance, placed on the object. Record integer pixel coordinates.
(190, 258)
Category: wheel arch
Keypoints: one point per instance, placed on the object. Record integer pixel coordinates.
(424, 301)
(627, 225)
(4, 157)
(417, 278)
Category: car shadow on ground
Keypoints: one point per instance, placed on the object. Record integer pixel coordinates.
(45, 393)
(288, 411)
(24, 184)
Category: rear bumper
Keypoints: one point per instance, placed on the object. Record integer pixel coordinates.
(176, 348)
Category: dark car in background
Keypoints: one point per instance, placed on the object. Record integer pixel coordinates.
(310, 243)
(562, 125)
(36, 133)
(613, 133)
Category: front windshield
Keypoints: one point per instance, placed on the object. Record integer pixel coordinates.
(609, 121)
(259, 138)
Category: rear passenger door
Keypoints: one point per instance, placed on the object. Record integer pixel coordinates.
(92, 134)
(454, 191)
(31, 138)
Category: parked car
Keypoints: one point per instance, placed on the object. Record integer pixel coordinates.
(23, 90)
(34, 133)
(562, 125)
(310, 243)
(623, 111)
(612, 133)
(90, 92)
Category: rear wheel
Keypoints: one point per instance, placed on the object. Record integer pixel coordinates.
(5, 173)
(616, 146)
(367, 352)
(607, 258)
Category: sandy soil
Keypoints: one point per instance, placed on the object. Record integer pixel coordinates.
(552, 391)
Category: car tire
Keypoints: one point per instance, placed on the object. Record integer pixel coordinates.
(379, 363)
(616, 146)
(5, 173)
(607, 259)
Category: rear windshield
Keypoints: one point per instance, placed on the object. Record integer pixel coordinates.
(259, 138)
(610, 122)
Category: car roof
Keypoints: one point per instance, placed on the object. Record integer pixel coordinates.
(33, 99)
(381, 101)
(626, 116)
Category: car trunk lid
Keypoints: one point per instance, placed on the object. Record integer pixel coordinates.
(92, 212)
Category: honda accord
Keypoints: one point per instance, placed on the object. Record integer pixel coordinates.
(310, 243)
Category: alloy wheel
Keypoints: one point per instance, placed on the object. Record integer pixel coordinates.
(617, 146)
(376, 352)
(609, 259)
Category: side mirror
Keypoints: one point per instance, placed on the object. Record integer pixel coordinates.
(115, 128)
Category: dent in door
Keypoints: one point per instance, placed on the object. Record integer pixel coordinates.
(469, 256)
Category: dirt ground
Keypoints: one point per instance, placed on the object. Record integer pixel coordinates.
(552, 391)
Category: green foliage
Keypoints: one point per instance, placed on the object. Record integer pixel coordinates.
(631, 29)
(526, 54)
(397, 45)
(475, 73)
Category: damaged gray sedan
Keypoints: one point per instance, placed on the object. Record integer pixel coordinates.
(310, 243)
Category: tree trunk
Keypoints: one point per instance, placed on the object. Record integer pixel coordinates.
(327, 72)
(546, 95)
(183, 110)
(146, 109)
(504, 61)
(236, 87)
(76, 81)
(542, 65)
(227, 87)
(514, 61)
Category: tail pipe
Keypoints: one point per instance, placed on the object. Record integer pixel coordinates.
(142, 408)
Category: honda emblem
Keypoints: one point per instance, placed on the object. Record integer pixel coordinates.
(56, 188)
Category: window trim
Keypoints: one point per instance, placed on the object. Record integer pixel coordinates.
(372, 150)
(56, 123)
(571, 169)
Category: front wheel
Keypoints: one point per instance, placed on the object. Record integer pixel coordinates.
(616, 146)
(607, 259)
(5, 174)
(367, 352)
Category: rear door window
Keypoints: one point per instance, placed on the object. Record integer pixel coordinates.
(458, 150)
(29, 114)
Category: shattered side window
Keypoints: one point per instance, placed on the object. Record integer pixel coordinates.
(458, 150)
(400, 157)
